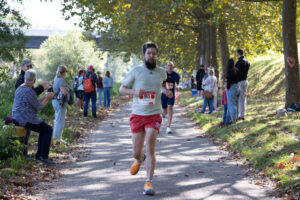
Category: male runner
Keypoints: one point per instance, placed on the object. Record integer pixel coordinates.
(146, 84)
(166, 102)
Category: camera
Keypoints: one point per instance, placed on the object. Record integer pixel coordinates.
(50, 89)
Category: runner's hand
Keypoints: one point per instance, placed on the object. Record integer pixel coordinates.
(139, 92)
(169, 94)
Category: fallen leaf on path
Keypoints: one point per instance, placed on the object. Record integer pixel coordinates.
(186, 175)
(114, 163)
(258, 183)
(200, 172)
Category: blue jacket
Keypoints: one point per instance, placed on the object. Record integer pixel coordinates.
(108, 82)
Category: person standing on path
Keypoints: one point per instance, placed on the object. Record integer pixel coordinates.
(243, 66)
(59, 87)
(146, 82)
(199, 78)
(89, 87)
(99, 88)
(108, 83)
(166, 102)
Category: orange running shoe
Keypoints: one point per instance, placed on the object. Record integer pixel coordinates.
(148, 189)
(135, 167)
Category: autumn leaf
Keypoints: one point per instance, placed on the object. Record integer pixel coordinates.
(295, 159)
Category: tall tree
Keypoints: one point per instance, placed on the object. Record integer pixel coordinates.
(290, 52)
(12, 40)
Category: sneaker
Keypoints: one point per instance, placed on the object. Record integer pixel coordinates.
(163, 121)
(148, 189)
(135, 167)
(46, 161)
(168, 131)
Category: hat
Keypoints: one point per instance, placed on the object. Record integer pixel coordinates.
(26, 62)
(90, 67)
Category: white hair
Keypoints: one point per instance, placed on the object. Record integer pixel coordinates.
(30, 76)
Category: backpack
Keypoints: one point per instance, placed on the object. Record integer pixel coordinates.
(75, 83)
(67, 99)
(88, 84)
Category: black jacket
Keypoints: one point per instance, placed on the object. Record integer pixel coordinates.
(200, 75)
(233, 76)
(38, 90)
(243, 66)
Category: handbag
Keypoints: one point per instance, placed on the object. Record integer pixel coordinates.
(207, 94)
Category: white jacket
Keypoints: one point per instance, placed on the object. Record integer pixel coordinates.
(210, 84)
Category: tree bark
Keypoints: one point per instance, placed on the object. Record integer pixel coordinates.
(290, 52)
(207, 40)
(223, 47)
(213, 49)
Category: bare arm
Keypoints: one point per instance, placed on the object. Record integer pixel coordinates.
(46, 98)
(164, 90)
(64, 90)
(126, 91)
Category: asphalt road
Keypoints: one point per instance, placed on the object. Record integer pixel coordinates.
(188, 167)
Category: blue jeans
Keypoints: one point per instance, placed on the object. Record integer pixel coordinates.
(60, 116)
(210, 104)
(87, 98)
(106, 97)
(100, 90)
(44, 141)
(232, 100)
(226, 117)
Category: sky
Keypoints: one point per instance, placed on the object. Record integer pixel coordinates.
(45, 17)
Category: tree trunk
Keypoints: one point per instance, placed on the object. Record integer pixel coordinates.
(203, 44)
(198, 47)
(290, 52)
(224, 48)
(213, 49)
(207, 45)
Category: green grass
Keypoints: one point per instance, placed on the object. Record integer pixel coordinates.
(269, 143)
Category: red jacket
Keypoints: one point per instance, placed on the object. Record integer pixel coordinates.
(224, 97)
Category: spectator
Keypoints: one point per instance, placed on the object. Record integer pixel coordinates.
(233, 77)
(199, 79)
(226, 117)
(90, 94)
(99, 88)
(107, 85)
(243, 66)
(60, 107)
(26, 65)
(208, 85)
(80, 92)
(25, 110)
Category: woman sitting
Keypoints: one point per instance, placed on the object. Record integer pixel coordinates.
(25, 111)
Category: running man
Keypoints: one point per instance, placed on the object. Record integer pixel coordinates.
(146, 83)
(166, 102)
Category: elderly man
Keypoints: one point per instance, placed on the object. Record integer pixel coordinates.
(25, 111)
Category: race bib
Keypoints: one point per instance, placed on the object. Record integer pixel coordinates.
(147, 99)
(169, 85)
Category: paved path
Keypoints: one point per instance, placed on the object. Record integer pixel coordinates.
(187, 167)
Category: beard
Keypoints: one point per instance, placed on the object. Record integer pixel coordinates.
(150, 65)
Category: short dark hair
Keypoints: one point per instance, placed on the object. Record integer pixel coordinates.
(240, 51)
(149, 45)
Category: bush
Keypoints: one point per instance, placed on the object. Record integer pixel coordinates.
(10, 146)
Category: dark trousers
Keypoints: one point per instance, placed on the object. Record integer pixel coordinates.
(24, 140)
(87, 97)
(44, 141)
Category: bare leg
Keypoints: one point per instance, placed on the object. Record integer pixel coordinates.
(151, 135)
(138, 144)
(170, 114)
(165, 111)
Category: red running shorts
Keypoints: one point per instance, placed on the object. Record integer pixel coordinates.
(138, 123)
